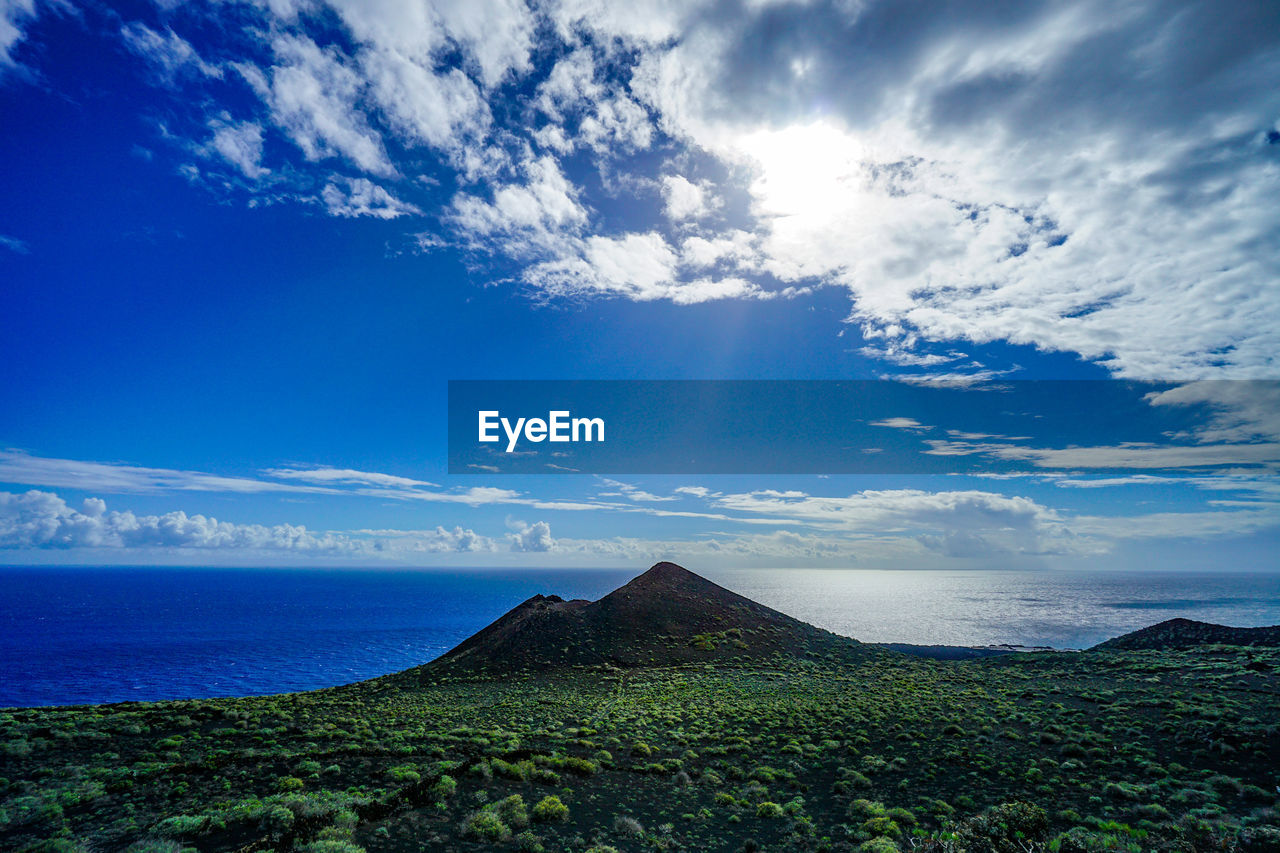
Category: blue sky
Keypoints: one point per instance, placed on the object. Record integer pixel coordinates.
(244, 246)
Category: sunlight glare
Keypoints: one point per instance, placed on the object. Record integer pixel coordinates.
(804, 170)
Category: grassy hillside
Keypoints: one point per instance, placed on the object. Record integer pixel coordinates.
(1185, 633)
(813, 749)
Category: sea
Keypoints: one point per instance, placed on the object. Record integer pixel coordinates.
(114, 634)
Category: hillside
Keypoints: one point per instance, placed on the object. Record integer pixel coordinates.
(1186, 633)
(667, 616)
(580, 727)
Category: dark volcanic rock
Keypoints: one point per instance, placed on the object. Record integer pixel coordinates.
(666, 616)
(1184, 633)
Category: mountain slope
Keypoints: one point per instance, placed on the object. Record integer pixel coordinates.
(666, 616)
(1185, 633)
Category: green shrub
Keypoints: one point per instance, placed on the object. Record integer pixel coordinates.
(882, 826)
(543, 776)
(629, 826)
(332, 845)
(1006, 828)
(180, 825)
(512, 811)
(445, 787)
(769, 810)
(529, 843)
(485, 824)
(550, 810)
(878, 845)
(290, 783)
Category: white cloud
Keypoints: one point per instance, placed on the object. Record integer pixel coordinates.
(530, 216)
(882, 510)
(684, 199)
(442, 109)
(634, 493)
(352, 197)
(170, 55)
(640, 267)
(900, 423)
(570, 84)
(344, 475)
(1122, 456)
(238, 143)
(533, 537)
(896, 354)
(42, 520)
(13, 244)
(314, 96)
(616, 124)
(643, 22)
(497, 34)
(1242, 410)
(1051, 176)
(1066, 175)
(23, 468)
(1180, 525)
(734, 247)
(14, 16)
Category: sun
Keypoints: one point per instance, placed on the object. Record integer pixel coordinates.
(804, 170)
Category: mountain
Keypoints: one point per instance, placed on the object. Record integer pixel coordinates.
(1184, 633)
(666, 616)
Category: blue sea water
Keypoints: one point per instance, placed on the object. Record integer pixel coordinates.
(80, 635)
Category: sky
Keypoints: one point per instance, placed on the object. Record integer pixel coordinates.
(245, 246)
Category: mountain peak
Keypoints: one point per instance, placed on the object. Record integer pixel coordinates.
(666, 576)
(666, 570)
(667, 616)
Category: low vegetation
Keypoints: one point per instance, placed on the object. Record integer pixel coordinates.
(1149, 750)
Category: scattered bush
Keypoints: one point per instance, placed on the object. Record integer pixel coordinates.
(550, 810)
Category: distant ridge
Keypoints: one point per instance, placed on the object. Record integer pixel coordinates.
(1185, 633)
(666, 616)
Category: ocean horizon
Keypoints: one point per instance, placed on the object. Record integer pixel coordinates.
(73, 635)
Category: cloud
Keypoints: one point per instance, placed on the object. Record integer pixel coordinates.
(42, 520)
(570, 85)
(444, 110)
(1181, 525)
(634, 493)
(528, 217)
(1129, 455)
(1063, 175)
(1242, 410)
(15, 16)
(694, 491)
(239, 144)
(314, 96)
(352, 197)
(640, 267)
(171, 57)
(344, 475)
(533, 537)
(894, 508)
(896, 354)
(900, 423)
(684, 199)
(1050, 174)
(23, 468)
(13, 244)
